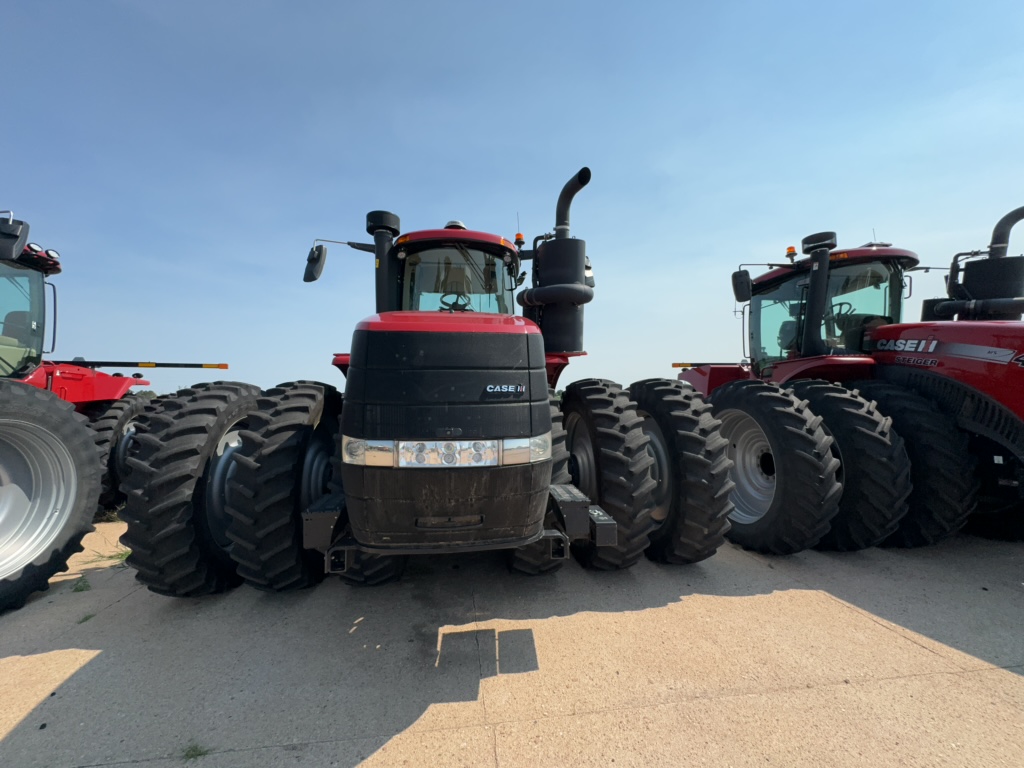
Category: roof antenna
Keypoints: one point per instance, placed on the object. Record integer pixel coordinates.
(874, 237)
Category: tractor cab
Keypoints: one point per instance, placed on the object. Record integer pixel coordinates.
(24, 267)
(455, 270)
(793, 314)
(21, 319)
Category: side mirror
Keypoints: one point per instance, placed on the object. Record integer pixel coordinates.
(742, 286)
(315, 263)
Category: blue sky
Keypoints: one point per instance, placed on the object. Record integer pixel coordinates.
(182, 156)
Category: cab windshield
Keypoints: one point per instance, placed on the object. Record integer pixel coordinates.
(457, 278)
(21, 319)
(859, 295)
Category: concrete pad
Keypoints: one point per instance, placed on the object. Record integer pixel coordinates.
(736, 659)
(35, 678)
(930, 720)
(457, 747)
(701, 646)
(975, 606)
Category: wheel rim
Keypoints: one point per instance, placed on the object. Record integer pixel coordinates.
(38, 490)
(222, 470)
(754, 467)
(316, 470)
(581, 452)
(661, 471)
(121, 449)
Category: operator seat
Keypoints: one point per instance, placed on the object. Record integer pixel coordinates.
(457, 281)
(17, 326)
(787, 336)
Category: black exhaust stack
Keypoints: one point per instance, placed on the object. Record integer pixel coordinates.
(560, 287)
(992, 288)
(574, 185)
(1001, 233)
(817, 247)
(385, 227)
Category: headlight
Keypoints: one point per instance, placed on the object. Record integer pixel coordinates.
(448, 453)
(526, 450)
(445, 453)
(540, 448)
(353, 451)
(368, 453)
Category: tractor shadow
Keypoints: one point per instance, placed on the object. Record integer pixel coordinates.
(352, 668)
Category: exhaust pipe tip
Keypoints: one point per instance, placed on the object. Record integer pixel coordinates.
(1001, 233)
(574, 185)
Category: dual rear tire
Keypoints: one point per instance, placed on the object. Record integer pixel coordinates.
(786, 489)
(220, 476)
(943, 469)
(652, 458)
(691, 468)
(289, 459)
(610, 462)
(181, 461)
(836, 468)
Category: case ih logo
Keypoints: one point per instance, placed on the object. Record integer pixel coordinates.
(506, 389)
(907, 345)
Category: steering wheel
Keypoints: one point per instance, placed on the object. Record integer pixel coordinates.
(459, 303)
(840, 309)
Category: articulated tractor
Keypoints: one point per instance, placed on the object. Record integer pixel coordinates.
(57, 420)
(849, 426)
(448, 437)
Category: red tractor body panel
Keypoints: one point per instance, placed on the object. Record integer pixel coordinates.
(708, 377)
(447, 322)
(556, 363)
(988, 355)
(438, 322)
(79, 385)
(441, 322)
(839, 258)
(470, 237)
(827, 367)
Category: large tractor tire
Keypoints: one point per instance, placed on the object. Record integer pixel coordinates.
(114, 425)
(691, 469)
(281, 468)
(49, 483)
(942, 466)
(180, 463)
(874, 467)
(610, 462)
(535, 559)
(786, 492)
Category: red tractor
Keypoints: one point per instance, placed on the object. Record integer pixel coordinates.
(850, 427)
(48, 494)
(448, 437)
